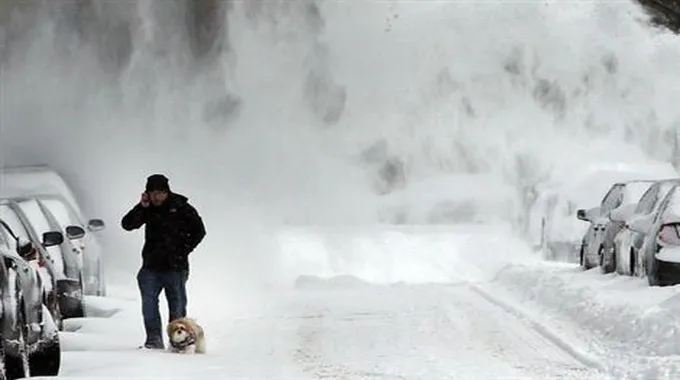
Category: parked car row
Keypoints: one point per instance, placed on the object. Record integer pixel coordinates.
(551, 226)
(50, 260)
(635, 231)
(30, 344)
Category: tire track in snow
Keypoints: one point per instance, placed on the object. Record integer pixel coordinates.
(424, 331)
(575, 352)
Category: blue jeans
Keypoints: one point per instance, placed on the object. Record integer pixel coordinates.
(150, 285)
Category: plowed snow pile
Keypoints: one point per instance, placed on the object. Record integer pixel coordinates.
(621, 317)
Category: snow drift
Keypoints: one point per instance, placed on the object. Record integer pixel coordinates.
(632, 327)
(404, 254)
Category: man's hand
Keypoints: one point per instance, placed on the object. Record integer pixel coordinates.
(144, 200)
(137, 216)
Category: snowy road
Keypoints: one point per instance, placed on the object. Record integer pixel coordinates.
(340, 330)
(424, 332)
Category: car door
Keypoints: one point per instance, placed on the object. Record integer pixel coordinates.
(71, 251)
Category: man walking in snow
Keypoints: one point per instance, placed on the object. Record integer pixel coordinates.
(173, 230)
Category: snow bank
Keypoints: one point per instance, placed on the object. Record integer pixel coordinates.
(623, 318)
(401, 254)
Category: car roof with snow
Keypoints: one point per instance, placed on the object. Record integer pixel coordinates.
(587, 188)
(38, 180)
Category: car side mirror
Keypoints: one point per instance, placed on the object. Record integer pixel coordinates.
(52, 238)
(581, 215)
(622, 213)
(75, 232)
(23, 247)
(641, 225)
(95, 225)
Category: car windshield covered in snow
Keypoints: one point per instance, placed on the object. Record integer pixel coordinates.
(633, 191)
(652, 198)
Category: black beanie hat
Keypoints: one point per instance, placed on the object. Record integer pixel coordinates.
(157, 182)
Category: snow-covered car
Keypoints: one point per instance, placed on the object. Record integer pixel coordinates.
(66, 257)
(62, 261)
(628, 242)
(598, 242)
(42, 261)
(54, 194)
(552, 227)
(29, 344)
(659, 254)
(559, 235)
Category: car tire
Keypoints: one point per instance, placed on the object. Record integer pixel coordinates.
(617, 267)
(652, 270)
(54, 310)
(3, 372)
(46, 360)
(17, 367)
(101, 288)
(71, 307)
(606, 266)
(633, 267)
(584, 262)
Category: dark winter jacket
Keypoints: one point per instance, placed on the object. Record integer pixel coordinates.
(172, 232)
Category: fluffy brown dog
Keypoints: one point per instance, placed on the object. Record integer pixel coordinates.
(186, 336)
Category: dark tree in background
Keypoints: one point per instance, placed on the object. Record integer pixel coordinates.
(664, 12)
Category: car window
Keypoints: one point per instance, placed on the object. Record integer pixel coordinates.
(40, 224)
(12, 219)
(35, 215)
(6, 240)
(61, 212)
(663, 191)
(613, 199)
(648, 200)
(632, 192)
(665, 206)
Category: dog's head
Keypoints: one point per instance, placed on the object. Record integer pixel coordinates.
(179, 331)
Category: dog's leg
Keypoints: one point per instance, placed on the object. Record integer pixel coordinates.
(190, 350)
(200, 346)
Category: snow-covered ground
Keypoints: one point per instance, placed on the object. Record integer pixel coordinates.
(516, 94)
(630, 326)
(408, 302)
